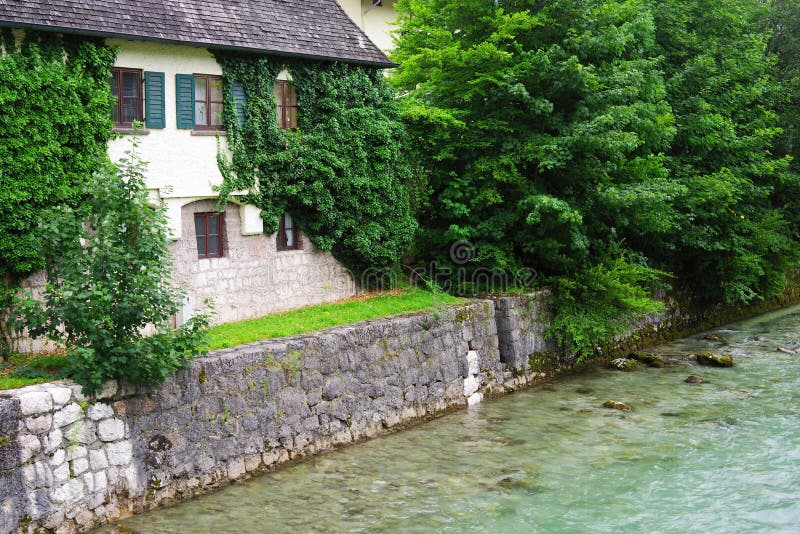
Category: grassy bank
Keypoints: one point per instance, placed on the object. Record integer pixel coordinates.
(308, 319)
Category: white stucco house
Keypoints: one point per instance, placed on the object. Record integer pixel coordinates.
(166, 77)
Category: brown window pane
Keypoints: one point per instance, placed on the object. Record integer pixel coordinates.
(213, 245)
(208, 229)
(201, 246)
(130, 84)
(288, 237)
(200, 115)
(129, 110)
(216, 114)
(208, 102)
(215, 87)
(291, 95)
(285, 104)
(200, 87)
(126, 87)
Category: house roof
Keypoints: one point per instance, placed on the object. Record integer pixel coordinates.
(305, 28)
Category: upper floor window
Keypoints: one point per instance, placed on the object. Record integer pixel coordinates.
(285, 104)
(208, 229)
(126, 87)
(288, 236)
(207, 102)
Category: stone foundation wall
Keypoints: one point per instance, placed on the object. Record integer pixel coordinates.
(73, 463)
(252, 278)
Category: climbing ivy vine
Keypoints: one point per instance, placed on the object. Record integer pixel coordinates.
(342, 173)
(55, 124)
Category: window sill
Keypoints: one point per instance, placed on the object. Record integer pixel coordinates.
(208, 133)
(130, 131)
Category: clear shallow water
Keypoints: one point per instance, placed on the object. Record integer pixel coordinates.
(722, 456)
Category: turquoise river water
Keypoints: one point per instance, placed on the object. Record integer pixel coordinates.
(721, 456)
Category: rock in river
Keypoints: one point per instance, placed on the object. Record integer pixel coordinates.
(623, 364)
(650, 360)
(694, 379)
(616, 405)
(713, 360)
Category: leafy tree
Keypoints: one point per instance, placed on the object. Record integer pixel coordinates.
(540, 126)
(108, 284)
(55, 125)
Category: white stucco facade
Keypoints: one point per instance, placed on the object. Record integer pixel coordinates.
(377, 21)
(182, 164)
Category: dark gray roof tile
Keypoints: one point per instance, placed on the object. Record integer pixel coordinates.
(308, 28)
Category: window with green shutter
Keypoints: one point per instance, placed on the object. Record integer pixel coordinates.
(184, 99)
(154, 102)
(239, 100)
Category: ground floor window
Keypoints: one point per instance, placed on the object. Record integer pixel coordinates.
(288, 235)
(208, 228)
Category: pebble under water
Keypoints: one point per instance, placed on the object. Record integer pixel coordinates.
(717, 456)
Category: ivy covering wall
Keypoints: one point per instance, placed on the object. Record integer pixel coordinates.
(55, 123)
(342, 173)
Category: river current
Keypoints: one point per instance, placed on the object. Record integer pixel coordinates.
(719, 456)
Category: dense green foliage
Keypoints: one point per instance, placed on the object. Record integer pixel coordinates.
(783, 20)
(54, 126)
(108, 282)
(341, 173)
(735, 243)
(596, 141)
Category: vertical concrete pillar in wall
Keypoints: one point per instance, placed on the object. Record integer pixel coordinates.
(521, 323)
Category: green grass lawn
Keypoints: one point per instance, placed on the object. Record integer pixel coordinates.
(326, 315)
(27, 369)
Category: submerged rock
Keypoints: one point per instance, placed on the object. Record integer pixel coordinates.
(714, 360)
(616, 405)
(623, 364)
(694, 379)
(714, 337)
(512, 483)
(650, 360)
(584, 391)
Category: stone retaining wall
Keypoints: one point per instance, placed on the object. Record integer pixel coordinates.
(70, 463)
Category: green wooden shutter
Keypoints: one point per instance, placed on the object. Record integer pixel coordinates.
(154, 104)
(184, 95)
(239, 101)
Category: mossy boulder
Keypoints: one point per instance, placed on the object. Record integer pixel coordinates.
(650, 360)
(714, 360)
(623, 364)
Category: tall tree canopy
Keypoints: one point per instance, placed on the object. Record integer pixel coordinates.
(596, 141)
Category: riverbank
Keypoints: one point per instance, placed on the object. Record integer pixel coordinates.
(72, 463)
(716, 456)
